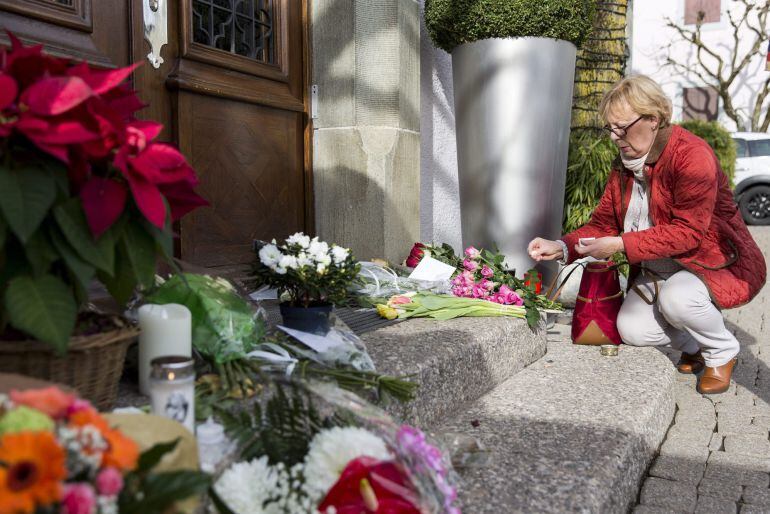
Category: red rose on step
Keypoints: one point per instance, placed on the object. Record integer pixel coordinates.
(416, 255)
(369, 485)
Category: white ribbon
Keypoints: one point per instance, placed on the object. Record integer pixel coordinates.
(279, 356)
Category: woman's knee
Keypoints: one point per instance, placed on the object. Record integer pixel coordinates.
(630, 330)
(679, 300)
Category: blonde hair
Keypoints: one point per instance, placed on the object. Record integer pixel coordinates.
(642, 94)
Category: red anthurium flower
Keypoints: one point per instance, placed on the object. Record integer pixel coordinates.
(8, 90)
(182, 198)
(56, 95)
(368, 485)
(103, 203)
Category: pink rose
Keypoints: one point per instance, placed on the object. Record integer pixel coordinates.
(470, 265)
(400, 300)
(79, 498)
(487, 284)
(109, 482)
(487, 272)
(472, 253)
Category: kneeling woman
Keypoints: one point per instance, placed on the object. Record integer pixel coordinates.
(690, 250)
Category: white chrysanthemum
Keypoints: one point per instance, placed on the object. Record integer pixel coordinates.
(269, 255)
(299, 239)
(339, 254)
(331, 450)
(303, 260)
(246, 487)
(288, 262)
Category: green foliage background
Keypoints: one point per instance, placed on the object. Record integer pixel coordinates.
(453, 22)
(718, 137)
(590, 162)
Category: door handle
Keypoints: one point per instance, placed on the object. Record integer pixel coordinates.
(155, 14)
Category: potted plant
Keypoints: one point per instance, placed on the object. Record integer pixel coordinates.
(85, 193)
(310, 276)
(513, 65)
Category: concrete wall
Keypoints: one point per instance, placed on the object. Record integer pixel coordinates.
(366, 64)
(439, 192)
(651, 37)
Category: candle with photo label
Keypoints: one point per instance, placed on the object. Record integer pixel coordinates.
(172, 389)
(166, 330)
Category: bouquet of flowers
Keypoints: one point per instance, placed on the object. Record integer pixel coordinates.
(307, 271)
(316, 448)
(57, 454)
(84, 190)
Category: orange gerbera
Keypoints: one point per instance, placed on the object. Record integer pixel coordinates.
(90, 416)
(32, 471)
(122, 452)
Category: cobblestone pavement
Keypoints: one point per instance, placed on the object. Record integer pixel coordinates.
(716, 455)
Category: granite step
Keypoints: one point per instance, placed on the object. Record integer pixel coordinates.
(575, 431)
(455, 361)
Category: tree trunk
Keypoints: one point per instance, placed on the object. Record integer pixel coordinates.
(600, 63)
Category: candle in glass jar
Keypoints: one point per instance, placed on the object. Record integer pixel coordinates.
(165, 330)
(172, 389)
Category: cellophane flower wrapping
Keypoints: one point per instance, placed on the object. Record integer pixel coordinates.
(306, 432)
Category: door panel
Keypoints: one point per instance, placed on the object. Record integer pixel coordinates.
(249, 160)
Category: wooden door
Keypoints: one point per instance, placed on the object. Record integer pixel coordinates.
(231, 92)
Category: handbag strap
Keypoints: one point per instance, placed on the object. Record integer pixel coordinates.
(638, 290)
(553, 296)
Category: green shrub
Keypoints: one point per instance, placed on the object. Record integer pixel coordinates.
(589, 165)
(719, 139)
(453, 22)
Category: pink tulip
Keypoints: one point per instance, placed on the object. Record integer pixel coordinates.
(487, 272)
(400, 300)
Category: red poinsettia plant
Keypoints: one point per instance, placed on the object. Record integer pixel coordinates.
(85, 190)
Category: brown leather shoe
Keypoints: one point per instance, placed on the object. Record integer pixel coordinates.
(716, 380)
(691, 363)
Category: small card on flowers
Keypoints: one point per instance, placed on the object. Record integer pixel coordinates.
(432, 270)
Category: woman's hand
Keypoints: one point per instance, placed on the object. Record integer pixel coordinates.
(601, 248)
(544, 250)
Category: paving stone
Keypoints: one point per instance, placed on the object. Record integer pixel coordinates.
(684, 449)
(711, 505)
(740, 426)
(718, 488)
(757, 496)
(754, 445)
(646, 509)
(717, 440)
(678, 469)
(666, 493)
(754, 509)
(739, 462)
(690, 433)
(762, 421)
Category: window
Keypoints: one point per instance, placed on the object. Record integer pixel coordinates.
(242, 27)
(760, 148)
(709, 9)
(700, 103)
(741, 148)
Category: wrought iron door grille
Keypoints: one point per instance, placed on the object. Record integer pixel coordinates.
(242, 27)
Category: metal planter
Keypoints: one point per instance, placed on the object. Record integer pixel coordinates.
(513, 100)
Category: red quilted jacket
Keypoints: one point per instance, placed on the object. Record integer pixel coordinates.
(695, 219)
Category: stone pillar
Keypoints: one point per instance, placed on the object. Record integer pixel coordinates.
(366, 159)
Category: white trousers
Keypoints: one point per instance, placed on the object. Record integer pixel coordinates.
(682, 317)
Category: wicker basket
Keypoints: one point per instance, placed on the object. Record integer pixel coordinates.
(92, 365)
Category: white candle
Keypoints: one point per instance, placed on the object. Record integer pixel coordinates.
(172, 389)
(166, 330)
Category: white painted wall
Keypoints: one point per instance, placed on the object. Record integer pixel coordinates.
(439, 192)
(651, 37)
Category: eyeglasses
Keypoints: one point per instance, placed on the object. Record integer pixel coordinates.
(621, 132)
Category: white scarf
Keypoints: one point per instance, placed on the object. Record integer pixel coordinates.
(635, 165)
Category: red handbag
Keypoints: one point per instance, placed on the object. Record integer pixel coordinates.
(595, 320)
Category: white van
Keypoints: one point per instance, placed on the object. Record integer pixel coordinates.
(752, 176)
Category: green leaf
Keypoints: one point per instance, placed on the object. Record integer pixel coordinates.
(139, 247)
(149, 458)
(40, 253)
(122, 283)
(26, 194)
(160, 491)
(42, 307)
(72, 222)
(83, 271)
